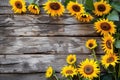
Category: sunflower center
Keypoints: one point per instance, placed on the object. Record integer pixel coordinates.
(76, 8)
(110, 60)
(55, 6)
(71, 59)
(90, 45)
(101, 7)
(105, 26)
(108, 44)
(18, 4)
(34, 7)
(69, 72)
(84, 16)
(88, 69)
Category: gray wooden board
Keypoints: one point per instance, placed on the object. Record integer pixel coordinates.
(36, 19)
(36, 76)
(35, 63)
(63, 45)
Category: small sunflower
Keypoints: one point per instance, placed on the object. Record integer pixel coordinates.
(33, 8)
(109, 59)
(107, 44)
(91, 44)
(101, 8)
(68, 71)
(75, 8)
(71, 59)
(89, 69)
(105, 27)
(84, 17)
(49, 72)
(54, 8)
(18, 6)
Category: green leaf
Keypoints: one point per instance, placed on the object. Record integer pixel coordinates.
(117, 43)
(67, 1)
(116, 5)
(113, 16)
(107, 77)
(89, 5)
(30, 1)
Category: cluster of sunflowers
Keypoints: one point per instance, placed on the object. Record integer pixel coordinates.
(106, 13)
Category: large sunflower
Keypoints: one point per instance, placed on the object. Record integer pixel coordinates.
(68, 71)
(109, 59)
(105, 27)
(89, 69)
(75, 8)
(91, 44)
(84, 17)
(18, 6)
(49, 72)
(107, 44)
(71, 59)
(33, 8)
(101, 8)
(54, 8)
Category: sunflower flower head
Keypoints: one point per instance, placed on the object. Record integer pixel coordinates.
(71, 59)
(105, 27)
(84, 17)
(75, 8)
(91, 44)
(107, 44)
(33, 8)
(89, 69)
(68, 71)
(18, 6)
(101, 8)
(49, 72)
(54, 8)
(109, 59)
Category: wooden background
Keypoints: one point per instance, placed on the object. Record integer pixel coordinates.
(30, 43)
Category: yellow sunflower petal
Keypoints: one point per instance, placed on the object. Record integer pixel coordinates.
(18, 6)
(91, 44)
(54, 8)
(33, 8)
(101, 8)
(89, 69)
(49, 72)
(71, 59)
(109, 59)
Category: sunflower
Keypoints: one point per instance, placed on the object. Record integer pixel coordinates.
(71, 59)
(49, 72)
(91, 44)
(101, 8)
(89, 69)
(109, 59)
(105, 27)
(75, 8)
(54, 8)
(84, 17)
(107, 44)
(33, 8)
(68, 71)
(18, 6)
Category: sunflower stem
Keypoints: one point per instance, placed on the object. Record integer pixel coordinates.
(115, 74)
(55, 77)
(79, 77)
(94, 55)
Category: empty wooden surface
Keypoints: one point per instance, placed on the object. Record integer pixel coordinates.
(30, 43)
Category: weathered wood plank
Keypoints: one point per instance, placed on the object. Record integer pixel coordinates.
(49, 30)
(63, 45)
(35, 76)
(34, 63)
(25, 19)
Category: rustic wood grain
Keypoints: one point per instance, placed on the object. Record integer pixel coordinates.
(63, 45)
(38, 30)
(34, 63)
(35, 76)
